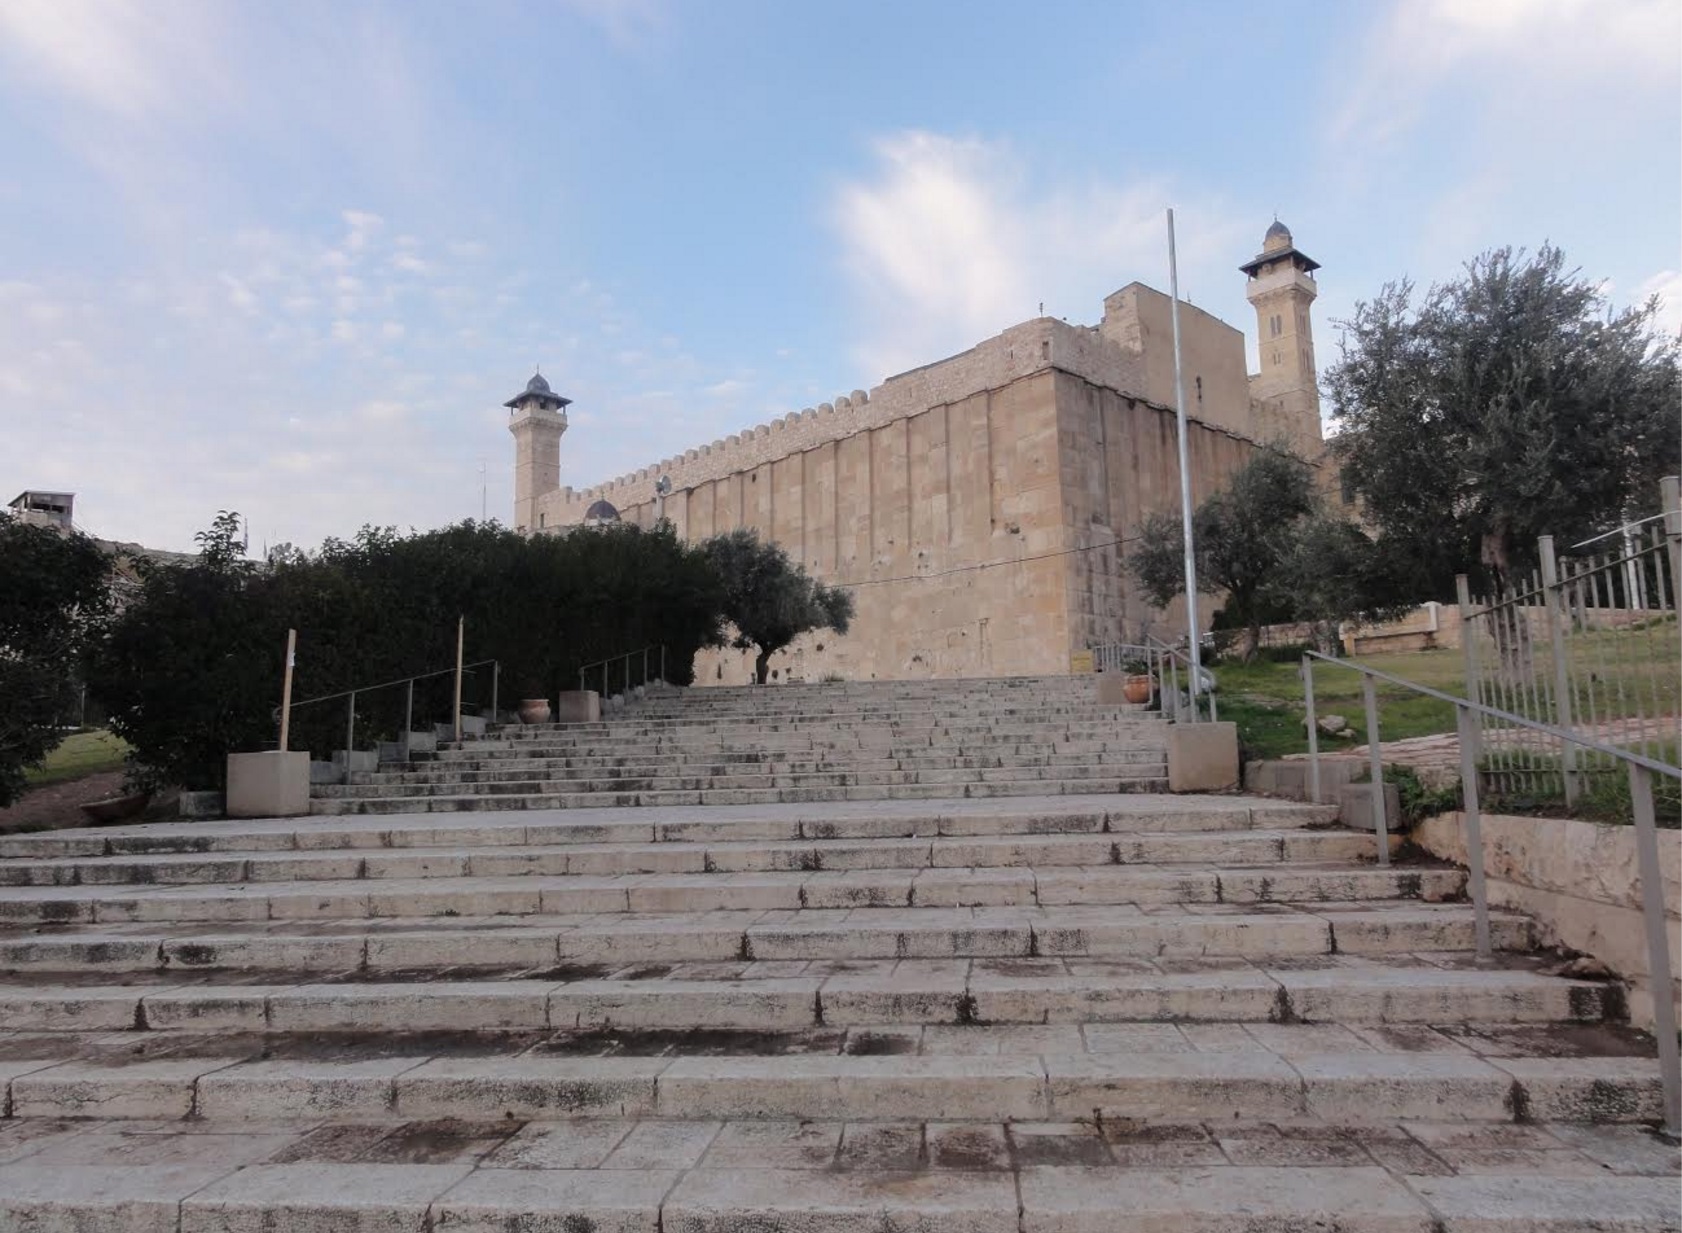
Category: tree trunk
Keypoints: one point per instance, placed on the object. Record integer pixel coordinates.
(762, 666)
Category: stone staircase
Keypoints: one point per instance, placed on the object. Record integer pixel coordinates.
(1049, 1013)
(914, 740)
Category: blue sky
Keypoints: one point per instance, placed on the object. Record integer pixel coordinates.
(289, 259)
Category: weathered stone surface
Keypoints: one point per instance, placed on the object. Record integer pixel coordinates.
(727, 1201)
(1234, 1200)
(343, 1198)
(1494, 1204)
(554, 1201)
(98, 1198)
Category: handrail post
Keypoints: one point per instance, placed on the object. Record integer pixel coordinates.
(1658, 945)
(1313, 730)
(1562, 677)
(496, 680)
(1376, 759)
(645, 666)
(1469, 651)
(350, 731)
(409, 714)
(1474, 831)
(461, 635)
(627, 676)
(662, 663)
(285, 690)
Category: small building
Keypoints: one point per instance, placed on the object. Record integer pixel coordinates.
(45, 509)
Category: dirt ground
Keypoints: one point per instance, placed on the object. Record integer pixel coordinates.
(56, 805)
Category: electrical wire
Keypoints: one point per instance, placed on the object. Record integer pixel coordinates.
(966, 569)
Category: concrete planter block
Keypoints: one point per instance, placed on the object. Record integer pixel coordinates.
(423, 742)
(1354, 807)
(271, 784)
(1110, 687)
(578, 706)
(1202, 757)
(390, 751)
(356, 759)
(326, 772)
(201, 804)
(473, 725)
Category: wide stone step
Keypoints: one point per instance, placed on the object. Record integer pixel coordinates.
(828, 995)
(861, 745)
(725, 762)
(490, 942)
(1099, 1087)
(531, 783)
(1110, 861)
(857, 820)
(740, 876)
(629, 1175)
(733, 796)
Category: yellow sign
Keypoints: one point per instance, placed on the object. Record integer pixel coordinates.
(1080, 661)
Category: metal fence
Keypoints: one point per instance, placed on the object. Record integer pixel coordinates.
(1641, 773)
(1587, 642)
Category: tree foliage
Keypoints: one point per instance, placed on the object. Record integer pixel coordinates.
(54, 594)
(1268, 544)
(191, 671)
(769, 599)
(1510, 403)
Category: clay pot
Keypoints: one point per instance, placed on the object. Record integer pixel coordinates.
(534, 710)
(1136, 689)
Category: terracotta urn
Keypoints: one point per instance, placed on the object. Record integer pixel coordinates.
(1136, 689)
(534, 710)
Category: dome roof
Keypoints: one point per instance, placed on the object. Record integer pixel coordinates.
(1278, 232)
(537, 385)
(600, 511)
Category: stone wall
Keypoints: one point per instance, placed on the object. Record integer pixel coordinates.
(1579, 881)
(979, 508)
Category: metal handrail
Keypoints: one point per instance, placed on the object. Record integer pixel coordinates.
(1162, 662)
(628, 656)
(1641, 772)
(1175, 658)
(409, 704)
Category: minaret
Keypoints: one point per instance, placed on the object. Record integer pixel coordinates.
(1286, 394)
(539, 419)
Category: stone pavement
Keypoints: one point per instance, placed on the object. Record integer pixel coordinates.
(1122, 1011)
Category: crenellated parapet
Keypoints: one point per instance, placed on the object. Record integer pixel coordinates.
(1024, 349)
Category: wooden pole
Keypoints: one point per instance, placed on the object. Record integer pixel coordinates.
(461, 634)
(286, 689)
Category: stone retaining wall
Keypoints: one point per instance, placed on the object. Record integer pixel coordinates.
(1579, 881)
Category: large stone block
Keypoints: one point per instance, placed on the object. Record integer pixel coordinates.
(271, 784)
(578, 706)
(1202, 757)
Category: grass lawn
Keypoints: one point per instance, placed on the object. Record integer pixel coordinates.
(81, 754)
(1265, 699)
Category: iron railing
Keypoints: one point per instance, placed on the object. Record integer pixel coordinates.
(1588, 642)
(350, 695)
(628, 659)
(1641, 768)
(1163, 665)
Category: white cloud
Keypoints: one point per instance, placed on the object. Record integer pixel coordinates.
(408, 263)
(393, 330)
(1523, 53)
(950, 242)
(1667, 285)
(117, 56)
(344, 331)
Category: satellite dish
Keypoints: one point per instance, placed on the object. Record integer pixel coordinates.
(663, 485)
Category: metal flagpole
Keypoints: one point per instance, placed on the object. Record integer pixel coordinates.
(1185, 475)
